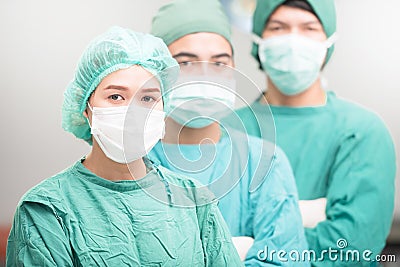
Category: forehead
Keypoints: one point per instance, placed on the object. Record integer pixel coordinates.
(293, 15)
(202, 44)
(133, 78)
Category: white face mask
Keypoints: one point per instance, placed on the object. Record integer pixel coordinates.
(198, 104)
(293, 62)
(126, 133)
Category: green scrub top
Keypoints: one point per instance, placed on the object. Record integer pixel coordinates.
(342, 152)
(79, 219)
(255, 187)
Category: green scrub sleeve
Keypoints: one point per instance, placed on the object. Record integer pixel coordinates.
(217, 242)
(35, 240)
(279, 229)
(360, 196)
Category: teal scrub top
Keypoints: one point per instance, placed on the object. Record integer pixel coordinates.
(342, 152)
(255, 187)
(79, 219)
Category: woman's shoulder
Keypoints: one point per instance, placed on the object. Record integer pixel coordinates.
(48, 191)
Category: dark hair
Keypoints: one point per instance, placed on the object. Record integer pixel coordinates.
(302, 4)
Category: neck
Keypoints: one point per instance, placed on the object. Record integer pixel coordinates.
(312, 96)
(98, 163)
(178, 134)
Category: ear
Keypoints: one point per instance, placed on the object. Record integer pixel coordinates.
(85, 113)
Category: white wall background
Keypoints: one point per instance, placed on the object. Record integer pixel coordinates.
(42, 40)
(366, 66)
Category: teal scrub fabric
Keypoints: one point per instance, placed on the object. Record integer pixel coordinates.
(267, 211)
(345, 153)
(79, 219)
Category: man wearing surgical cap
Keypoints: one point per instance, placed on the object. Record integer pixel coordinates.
(253, 180)
(342, 154)
(115, 207)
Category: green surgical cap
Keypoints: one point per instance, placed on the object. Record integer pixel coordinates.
(324, 9)
(116, 49)
(182, 17)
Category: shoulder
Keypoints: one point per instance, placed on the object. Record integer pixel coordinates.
(244, 111)
(246, 118)
(187, 191)
(254, 113)
(49, 191)
(361, 128)
(356, 117)
(178, 178)
(257, 149)
(267, 163)
(277, 174)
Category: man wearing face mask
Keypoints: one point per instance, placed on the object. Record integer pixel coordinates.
(254, 184)
(342, 154)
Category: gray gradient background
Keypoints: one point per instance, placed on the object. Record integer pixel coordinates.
(42, 40)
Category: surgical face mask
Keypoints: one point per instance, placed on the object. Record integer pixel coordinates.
(292, 62)
(126, 133)
(199, 104)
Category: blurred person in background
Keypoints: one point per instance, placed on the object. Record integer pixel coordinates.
(341, 153)
(198, 36)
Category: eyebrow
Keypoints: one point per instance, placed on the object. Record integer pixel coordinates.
(123, 88)
(221, 55)
(185, 54)
(281, 22)
(312, 22)
(150, 90)
(116, 87)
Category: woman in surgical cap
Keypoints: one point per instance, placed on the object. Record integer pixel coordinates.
(341, 153)
(114, 207)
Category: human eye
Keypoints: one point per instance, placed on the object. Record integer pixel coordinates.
(312, 29)
(148, 99)
(116, 97)
(149, 96)
(274, 27)
(219, 66)
(185, 63)
(219, 63)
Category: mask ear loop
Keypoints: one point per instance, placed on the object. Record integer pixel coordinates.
(256, 39)
(331, 40)
(87, 118)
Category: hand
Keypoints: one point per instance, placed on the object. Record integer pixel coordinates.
(242, 245)
(312, 211)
